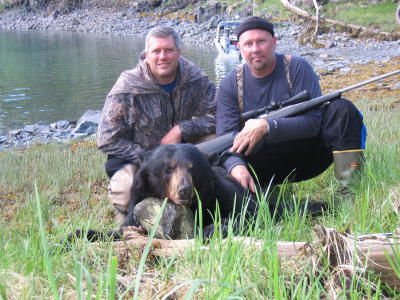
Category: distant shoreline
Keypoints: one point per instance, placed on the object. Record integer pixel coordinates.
(120, 22)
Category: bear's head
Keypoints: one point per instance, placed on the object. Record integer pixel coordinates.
(174, 172)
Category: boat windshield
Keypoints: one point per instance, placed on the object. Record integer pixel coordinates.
(228, 30)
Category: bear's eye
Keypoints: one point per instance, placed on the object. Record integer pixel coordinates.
(169, 170)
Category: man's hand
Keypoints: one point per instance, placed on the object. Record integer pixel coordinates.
(250, 135)
(174, 136)
(242, 175)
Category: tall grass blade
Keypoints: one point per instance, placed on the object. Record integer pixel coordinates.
(78, 276)
(43, 239)
(112, 276)
(193, 288)
(89, 283)
(99, 294)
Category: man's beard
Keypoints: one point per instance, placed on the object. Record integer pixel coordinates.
(260, 66)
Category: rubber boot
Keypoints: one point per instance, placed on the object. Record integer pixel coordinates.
(119, 191)
(346, 165)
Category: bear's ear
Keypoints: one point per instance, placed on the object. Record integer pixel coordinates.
(213, 159)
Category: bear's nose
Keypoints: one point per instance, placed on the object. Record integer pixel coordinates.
(185, 191)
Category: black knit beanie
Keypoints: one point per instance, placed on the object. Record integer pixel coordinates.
(255, 23)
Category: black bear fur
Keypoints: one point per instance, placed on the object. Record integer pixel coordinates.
(212, 183)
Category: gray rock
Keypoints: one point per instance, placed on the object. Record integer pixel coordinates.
(75, 22)
(77, 136)
(344, 70)
(29, 128)
(176, 222)
(43, 129)
(14, 132)
(62, 124)
(212, 23)
(90, 115)
(329, 44)
(396, 86)
(87, 127)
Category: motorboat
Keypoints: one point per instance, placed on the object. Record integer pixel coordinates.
(226, 40)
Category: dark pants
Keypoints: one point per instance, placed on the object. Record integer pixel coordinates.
(113, 164)
(342, 128)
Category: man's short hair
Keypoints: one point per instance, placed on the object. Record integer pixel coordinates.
(255, 23)
(163, 32)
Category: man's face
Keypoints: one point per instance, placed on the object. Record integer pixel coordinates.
(162, 57)
(258, 50)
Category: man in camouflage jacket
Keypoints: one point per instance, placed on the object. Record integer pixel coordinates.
(165, 99)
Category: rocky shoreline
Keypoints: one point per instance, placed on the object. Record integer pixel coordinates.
(63, 131)
(125, 22)
(335, 50)
(337, 53)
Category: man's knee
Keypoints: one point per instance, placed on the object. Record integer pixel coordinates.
(119, 190)
(343, 108)
(342, 126)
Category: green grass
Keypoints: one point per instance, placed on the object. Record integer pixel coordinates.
(381, 15)
(71, 194)
(273, 10)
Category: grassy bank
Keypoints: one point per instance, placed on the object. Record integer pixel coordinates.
(71, 194)
(379, 15)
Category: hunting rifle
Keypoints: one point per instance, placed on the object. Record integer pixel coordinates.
(287, 108)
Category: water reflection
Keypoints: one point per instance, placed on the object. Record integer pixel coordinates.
(50, 76)
(224, 64)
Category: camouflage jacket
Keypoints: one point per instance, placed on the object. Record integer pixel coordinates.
(137, 112)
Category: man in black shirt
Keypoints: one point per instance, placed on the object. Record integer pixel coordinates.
(299, 147)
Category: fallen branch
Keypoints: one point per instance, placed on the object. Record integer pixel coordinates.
(317, 9)
(371, 252)
(307, 15)
(368, 252)
(168, 248)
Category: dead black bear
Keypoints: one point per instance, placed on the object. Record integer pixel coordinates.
(175, 172)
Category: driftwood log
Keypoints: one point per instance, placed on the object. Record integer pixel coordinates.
(347, 254)
(307, 15)
(367, 252)
(168, 248)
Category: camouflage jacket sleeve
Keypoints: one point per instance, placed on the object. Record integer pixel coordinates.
(114, 135)
(203, 121)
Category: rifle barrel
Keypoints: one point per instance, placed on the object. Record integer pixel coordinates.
(357, 85)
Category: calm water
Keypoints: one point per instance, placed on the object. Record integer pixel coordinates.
(50, 76)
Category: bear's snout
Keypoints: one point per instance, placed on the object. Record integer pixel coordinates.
(185, 190)
(180, 186)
